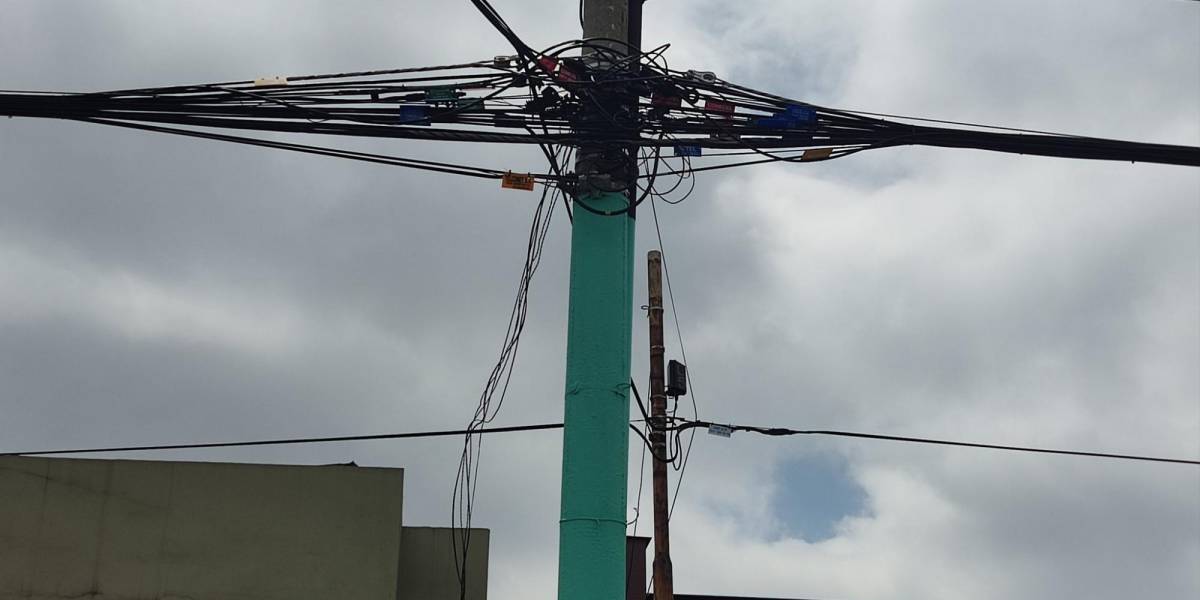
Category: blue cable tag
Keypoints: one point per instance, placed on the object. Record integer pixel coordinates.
(776, 122)
(793, 116)
(800, 114)
(413, 115)
(688, 150)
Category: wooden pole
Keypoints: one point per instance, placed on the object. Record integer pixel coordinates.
(663, 584)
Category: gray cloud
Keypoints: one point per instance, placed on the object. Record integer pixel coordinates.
(154, 289)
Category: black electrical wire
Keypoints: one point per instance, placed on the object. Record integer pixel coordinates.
(495, 390)
(493, 17)
(680, 425)
(683, 354)
(440, 167)
(781, 431)
(650, 446)
(288, 441)
(570, 102)
(637, 508)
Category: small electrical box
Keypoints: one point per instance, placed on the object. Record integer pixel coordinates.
(676, 379)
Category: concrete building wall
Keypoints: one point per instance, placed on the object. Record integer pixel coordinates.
(427, 568)
(142, 530)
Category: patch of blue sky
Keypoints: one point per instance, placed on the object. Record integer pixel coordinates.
(812, 494)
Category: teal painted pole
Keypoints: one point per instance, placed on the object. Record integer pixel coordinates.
(591, 562)
(591, 529)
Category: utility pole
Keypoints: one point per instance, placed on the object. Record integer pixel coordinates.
(664, 588)
(591, 560)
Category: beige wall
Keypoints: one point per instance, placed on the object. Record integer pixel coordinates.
(141, 530)
(427, 565)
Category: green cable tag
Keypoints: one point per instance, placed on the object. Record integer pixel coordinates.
(441, 94)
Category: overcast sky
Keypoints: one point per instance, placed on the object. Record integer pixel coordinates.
(164, 290)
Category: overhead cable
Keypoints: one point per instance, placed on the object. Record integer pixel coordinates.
(680, 424)
(288, 441)
(782, 431)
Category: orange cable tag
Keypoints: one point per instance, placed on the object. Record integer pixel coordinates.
(517, 181)
(816, 154)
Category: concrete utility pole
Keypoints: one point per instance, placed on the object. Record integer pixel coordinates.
(664, 588)
(591, 559)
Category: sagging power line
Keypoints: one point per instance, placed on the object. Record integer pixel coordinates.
(678, 425)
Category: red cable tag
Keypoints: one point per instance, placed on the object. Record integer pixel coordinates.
(718, 106)
(517, 181)
(665, 101)
(548, 64)
(567, 75)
